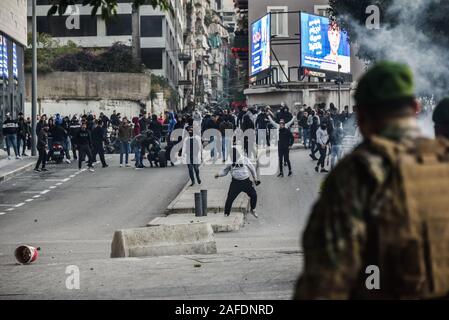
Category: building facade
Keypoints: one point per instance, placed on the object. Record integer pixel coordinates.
(13, 40)
(160, 33)
(290, 88)
(171, 46)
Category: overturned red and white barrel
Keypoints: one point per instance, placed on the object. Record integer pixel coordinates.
(26, 254)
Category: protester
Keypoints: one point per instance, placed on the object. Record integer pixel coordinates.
(84, 143)
(42, 145)
(10, 128)
(322, 140)
(192, 154)
(124, 136)
(285, 142)
(98, 139)
(241, 169)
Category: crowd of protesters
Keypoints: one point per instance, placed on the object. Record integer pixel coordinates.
(88, 136)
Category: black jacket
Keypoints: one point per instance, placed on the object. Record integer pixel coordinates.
(58, 133)
(23, 128)
(286, 138)
(98, 136)
(42, 139)
(156, 127)
(10, 127)
(83, 138)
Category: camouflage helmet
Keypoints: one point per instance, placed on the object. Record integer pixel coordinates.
(384, 82)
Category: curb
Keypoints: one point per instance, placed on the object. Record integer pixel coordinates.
(16, 172)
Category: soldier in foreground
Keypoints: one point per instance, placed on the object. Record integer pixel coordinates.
(384, 208)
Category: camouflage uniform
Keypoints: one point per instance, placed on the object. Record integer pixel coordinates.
(338, 241)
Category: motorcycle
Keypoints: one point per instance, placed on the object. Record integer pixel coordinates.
(57, 152)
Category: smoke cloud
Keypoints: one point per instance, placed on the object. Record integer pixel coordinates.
(407, 42)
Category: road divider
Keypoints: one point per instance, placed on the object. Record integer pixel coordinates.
(219, 222)
(164, 240)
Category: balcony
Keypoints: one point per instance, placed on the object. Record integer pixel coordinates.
(184, 57)
(185, 82)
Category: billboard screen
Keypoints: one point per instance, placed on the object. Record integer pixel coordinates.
(324, 45)
(15, 70)
(260, 45)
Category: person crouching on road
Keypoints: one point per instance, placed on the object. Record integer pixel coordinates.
(191, 152)
(84, 142)
(240, 169)
(42, 144)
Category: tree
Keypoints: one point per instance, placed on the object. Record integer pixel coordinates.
(108, 8)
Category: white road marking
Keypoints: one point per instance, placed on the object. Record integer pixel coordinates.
(52, 187)
(31, 192)
(29, 200)
(56, 180)
(59, 183)
(37, 196)
(10, 209)
(2, 213)
(45, 191)
(19, 205)
(72, 176)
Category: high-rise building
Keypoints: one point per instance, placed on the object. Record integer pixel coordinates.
(161, 33)
(13, 40)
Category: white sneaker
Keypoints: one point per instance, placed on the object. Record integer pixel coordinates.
(253, 212)
(67, 160)
(18, 157)
(9, 157)
(128, 165)
(91, 170)
(121, 166)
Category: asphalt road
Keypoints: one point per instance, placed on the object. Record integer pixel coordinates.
(72, 215)
(74, 222)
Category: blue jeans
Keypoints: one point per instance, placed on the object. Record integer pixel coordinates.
(124, 150)
(137, 156)
(336, 154)
(11, 139)
(306, 136)
(224, 147)
(213, 146)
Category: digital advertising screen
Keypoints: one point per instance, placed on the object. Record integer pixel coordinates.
(324, 45)
(261, 45)
(15, 70)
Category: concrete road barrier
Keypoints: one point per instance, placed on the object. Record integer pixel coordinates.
(164, 240)
(219, 222)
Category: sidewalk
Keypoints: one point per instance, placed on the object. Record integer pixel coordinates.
(13, 167)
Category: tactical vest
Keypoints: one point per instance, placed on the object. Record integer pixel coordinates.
(408, 222)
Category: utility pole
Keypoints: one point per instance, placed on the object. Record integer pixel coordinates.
(339, 81)
(34, 82)
(136, 32)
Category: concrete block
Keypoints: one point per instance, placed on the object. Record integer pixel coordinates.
(164, 240)
(219, 222)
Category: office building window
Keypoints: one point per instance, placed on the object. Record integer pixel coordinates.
(279, 21)
(120, 25)
(151, 26)
(321, 10)
(152, 57)
(56, 26)
(280, 74)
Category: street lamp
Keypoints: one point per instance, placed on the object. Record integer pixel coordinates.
(33, 82)
(339, 82)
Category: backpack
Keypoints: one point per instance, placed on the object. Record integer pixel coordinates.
(408, 234)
